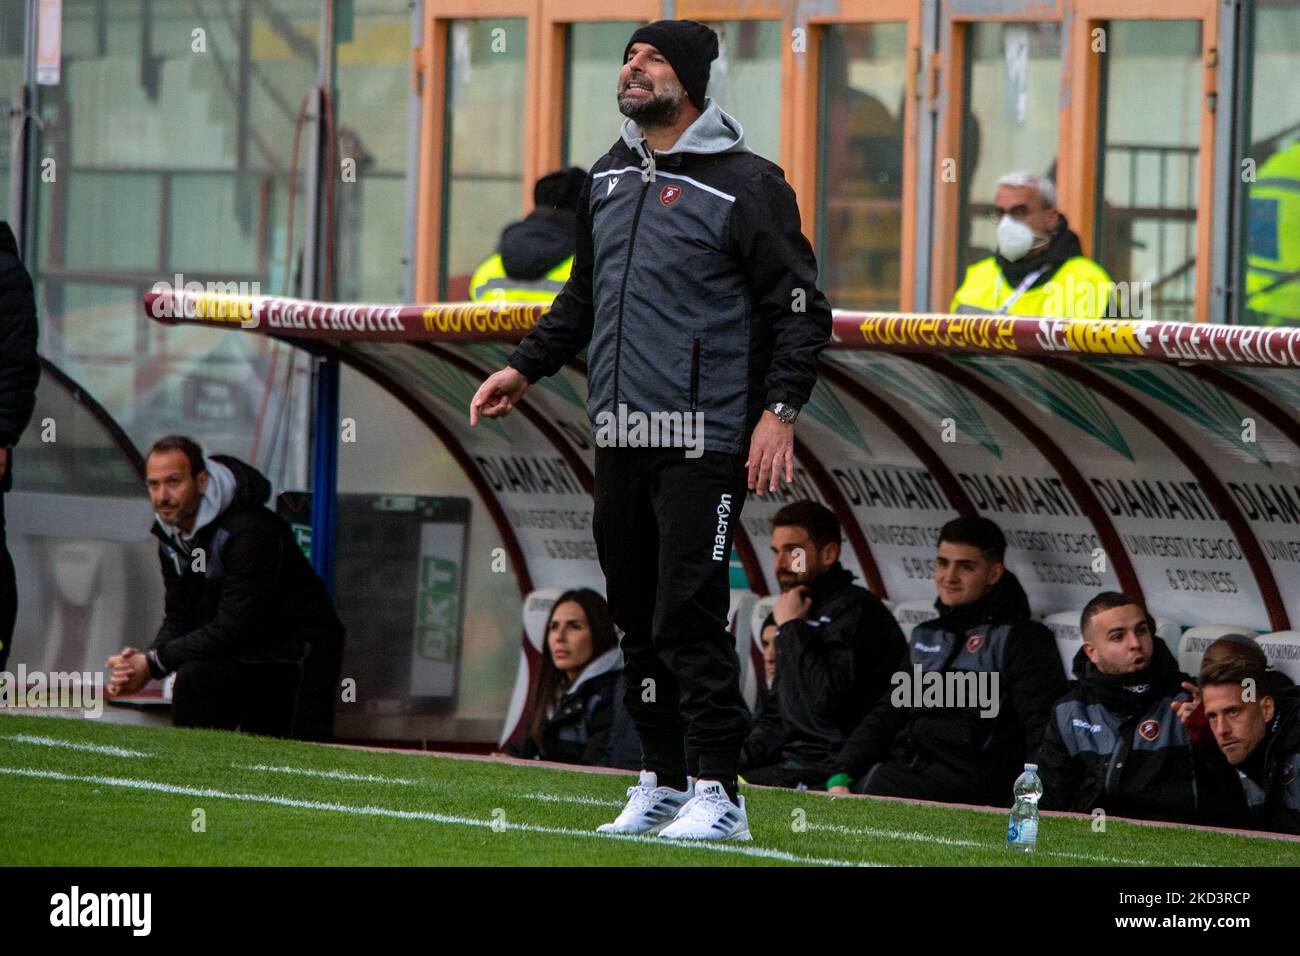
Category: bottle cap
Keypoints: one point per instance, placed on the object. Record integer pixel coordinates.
(1032, 766)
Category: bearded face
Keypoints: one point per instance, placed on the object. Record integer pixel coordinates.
(648, 90)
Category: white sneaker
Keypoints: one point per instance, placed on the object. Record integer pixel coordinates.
(710, 815)
(650, 807)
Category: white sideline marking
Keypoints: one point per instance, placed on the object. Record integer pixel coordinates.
(950, 841)
(331, 774)
(431, 817)
(72, 745)
(556, 798)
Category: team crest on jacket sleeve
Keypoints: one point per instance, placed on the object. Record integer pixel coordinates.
(669, 194)
(1149, 729)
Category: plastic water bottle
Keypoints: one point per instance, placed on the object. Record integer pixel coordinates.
(1022, 831)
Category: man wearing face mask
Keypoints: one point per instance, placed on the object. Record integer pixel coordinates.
(1039, 268)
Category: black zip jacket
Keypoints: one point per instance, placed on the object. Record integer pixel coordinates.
(831, 669)
(692, 283)
(589, 727)
(1114, 743)
(977, 757)
(257, 598)
(20, 369)
(1263, 793)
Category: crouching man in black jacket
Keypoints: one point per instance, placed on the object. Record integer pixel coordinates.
(946, 746)
(242, 605)
(1115, 741)
(837, 646)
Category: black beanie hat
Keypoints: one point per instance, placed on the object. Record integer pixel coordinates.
(559, 189)
(689, 48)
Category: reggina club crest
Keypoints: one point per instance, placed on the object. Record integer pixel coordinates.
(669, 195)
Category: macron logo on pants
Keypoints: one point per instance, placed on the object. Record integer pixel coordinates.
(720, 539)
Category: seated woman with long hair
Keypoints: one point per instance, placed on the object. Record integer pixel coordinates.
(576, 714)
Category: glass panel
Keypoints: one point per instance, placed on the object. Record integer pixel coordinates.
(1011, 122)
(860, 183)
(1146, 232)
(404, 458)
(374, 67)
(745, 79)
(78, 527)
(12, 17)
(1271, 191)
(171, 137)
(591, 116)
(485, 137)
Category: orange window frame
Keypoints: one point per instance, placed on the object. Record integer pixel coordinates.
(799, 127)
(429, 80)
(1077, 173)
(949, 62)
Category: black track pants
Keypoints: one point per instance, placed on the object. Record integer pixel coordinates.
(663, 525)
(229, 695)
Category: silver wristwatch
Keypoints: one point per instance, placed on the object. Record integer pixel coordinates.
(787, 413)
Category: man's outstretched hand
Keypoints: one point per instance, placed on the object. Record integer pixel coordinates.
(771, 453)
(498, 395)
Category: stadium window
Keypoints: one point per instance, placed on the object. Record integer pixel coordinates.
(1268, 249)
(860, 133)
(486, 84)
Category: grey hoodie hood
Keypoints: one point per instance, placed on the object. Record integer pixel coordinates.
(714, 131)
(216, 499)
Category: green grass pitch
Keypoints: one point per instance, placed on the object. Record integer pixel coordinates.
(84, 793)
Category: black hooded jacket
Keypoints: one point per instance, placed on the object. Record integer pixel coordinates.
(1113, 742)
(537, 244)
(831, 668)
(251, 596)
(965, 756)
(1263, 792)
(20, 369)
(590, 726)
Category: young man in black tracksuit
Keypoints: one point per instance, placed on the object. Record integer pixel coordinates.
(837, 646)
(248, 628)
(20, 370)
(1114, 741)
(954, 751)
(695, 291)
(1258, 737)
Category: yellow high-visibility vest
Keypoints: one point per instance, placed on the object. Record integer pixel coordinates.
(1079, 289)
(1273, 247)
(491, 282)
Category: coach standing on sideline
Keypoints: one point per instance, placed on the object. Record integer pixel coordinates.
(19, 372)
(696, 289)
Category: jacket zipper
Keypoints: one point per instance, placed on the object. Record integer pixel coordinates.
(695, 374)
(622, 290)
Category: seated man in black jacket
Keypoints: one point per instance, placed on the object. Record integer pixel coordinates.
(1115, 741)
(1259, 736)
(242, 604)
(940, 746)
(836, 647)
